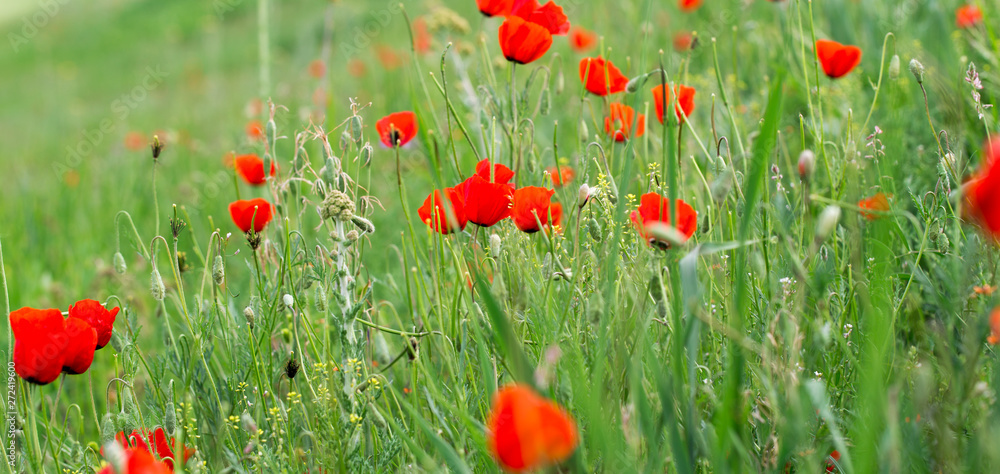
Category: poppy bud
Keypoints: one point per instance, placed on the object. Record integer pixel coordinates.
(218, 270)
(345, 140)
(364, 224)
(329, 172)
(320, 297)
(584, 132)
(292, 368)
(107, 429)
(116, 342)
(382, 355)
(807, 164)
(545, 103)
(917, 70)
(560, 82)
(827, 222)
(355, 128)
(119, 262)
(585, 195)
(156, 285)
(288, 300)
(495, 245)
(272, 132)
(249, 316)
(124, 424)
(894, 67)
(170, 419)
(656, 287)
(636, 83)
(366, 154)
(595, 230)
(943, 244)
(722, 186)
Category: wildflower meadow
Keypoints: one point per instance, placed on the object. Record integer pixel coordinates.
(300, 236)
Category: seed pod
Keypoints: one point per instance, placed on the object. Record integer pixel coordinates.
(119, 262)
(249, 316)
(330, 170)
(496, 245)
(218, 270)
(272, 132)
(595, 230)
(894, 68)
(156, 285)
(170, 419)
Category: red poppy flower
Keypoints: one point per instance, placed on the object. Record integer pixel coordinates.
(561, 176)
(523, 42)
(97, 316)
(683, 41)
(487, 203)
(388, 57)
(527, 431)
(968, 16)
(689, 5)
(982, 192)
(80, 347)
(685, 101)
(255, 130)
(620, 122)
(397, 129)
(317, 69)
(837, 60)
(139, 461)
(582, 40)
(531, 207)
(500, 173)
(655, 210)
(834, 457)
(550, 15)
(601, 77)
(39, 344)
(357, 68)
(878, 202)
(256, 212)
(444, 218)
(495, 7)
(251, 169)
(154, 442)
(994, 337)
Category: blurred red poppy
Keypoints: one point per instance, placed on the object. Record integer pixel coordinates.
(397, 129)
(97, 316)
(495, 7)
(357, 68)
(81, 344)
(135, 141)
(601, 77)
(317, 69)
(526, 431)
(39, 344)
(832, 460)
(837, 60)
(968, 16)
(683, 41)
(982, 192)
(550, 15)
(139, 461)
(487, 203)
(654, 213)
(685, 101)
(561, 176)
(441, 217)
(251, 169)
(255, 130)
(388, 57)
(152, 442)
(689, 5)
(620, 122)
(531, 209)
(254, 212)
(582, 40)
(878, 203)
(994, 337)
(421, 38)
(523, 42)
